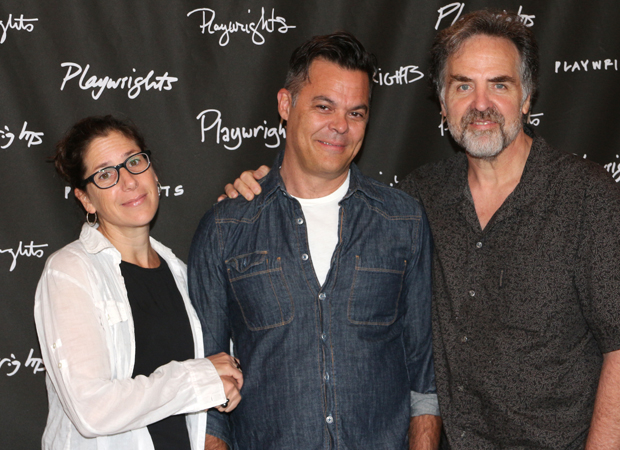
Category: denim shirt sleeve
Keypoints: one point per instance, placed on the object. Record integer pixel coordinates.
(208, 294)
(417, 334)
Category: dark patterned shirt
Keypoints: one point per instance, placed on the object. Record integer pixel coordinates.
(524, 309)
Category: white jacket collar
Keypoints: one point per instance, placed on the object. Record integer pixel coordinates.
(94, 242)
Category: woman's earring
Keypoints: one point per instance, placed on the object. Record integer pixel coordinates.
(94, 222)
(158, 188)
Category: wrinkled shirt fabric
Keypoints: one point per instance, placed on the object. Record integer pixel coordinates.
(85, 329)
(336, 366)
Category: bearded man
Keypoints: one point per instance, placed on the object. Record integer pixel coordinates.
(526, 269)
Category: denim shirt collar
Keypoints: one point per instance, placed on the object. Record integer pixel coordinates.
(273, 182)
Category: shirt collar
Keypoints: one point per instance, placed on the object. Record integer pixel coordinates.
(455, 189)
(536, 176)
(358, 182)
(93, 240)
(526, 195)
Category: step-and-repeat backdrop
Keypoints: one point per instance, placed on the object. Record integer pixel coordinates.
(200, 77)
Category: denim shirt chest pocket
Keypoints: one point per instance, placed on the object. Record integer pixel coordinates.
(260, 290)
(376, 291)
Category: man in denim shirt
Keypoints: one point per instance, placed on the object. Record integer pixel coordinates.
(322, 282)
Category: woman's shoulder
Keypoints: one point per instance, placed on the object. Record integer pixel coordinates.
(72, 260)
(69, 254)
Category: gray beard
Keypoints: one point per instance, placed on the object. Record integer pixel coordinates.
(485, 144)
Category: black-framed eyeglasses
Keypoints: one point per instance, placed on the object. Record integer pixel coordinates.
(108, 176)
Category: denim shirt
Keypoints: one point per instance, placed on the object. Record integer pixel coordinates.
(338, 366)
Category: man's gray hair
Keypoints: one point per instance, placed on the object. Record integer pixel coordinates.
(487, 23)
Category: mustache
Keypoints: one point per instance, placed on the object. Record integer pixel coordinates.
(336, 139)
(491, 114)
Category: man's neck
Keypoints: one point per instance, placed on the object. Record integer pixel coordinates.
(492, 180)
(303, 185)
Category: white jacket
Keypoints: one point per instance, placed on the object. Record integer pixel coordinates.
(86, 333)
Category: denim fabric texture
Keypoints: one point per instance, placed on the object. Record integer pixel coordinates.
(326, 367)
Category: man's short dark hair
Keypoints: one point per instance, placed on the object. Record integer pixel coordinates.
(487, 23)
(341, 48)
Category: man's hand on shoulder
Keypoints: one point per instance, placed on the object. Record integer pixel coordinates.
(246, 185)
(213, 443)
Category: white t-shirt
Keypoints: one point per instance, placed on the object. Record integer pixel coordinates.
(321, 216)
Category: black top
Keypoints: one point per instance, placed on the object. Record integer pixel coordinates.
(524, 309)
(163, 334)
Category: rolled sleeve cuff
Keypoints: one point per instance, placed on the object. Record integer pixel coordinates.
(422, 404)
(218, 426)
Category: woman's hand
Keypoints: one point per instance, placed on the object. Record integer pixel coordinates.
(230, 373)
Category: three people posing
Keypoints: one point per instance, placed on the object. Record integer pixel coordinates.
(323, 282)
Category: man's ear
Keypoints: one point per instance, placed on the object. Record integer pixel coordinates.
(82, 196)
(285, 103)
(526, 104)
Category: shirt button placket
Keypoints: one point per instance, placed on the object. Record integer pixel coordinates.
(329, 419)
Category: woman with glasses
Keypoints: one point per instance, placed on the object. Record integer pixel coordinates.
(121, 342)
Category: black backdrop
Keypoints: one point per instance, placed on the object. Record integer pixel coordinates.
(200, 79)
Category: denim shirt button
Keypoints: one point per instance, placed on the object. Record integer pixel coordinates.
(323, 336)
(326, 376)
(300, 221)
(329, 419)
(304, 257)
(322, 296)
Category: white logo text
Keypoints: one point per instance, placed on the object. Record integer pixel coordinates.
(235, 135)
(254, 28)
(16, 24)
(28, 250)
(133, 85)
